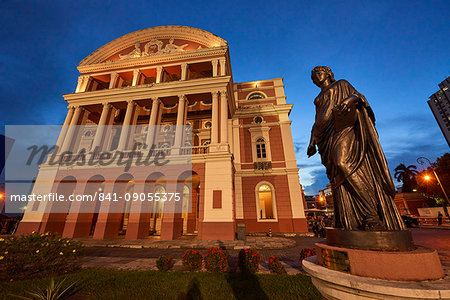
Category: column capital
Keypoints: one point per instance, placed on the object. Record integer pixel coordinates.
(182, 97)
(223, 92)
(80, 78)
(215, 61)
(159, 68)
(114, 74)
(136, 71)
(215, 93)
(106, 105)
(71, 106)
(156, 99)
(131, 102)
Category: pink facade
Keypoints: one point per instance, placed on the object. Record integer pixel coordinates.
(243, 163)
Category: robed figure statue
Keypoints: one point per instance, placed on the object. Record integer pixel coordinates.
(345, 135)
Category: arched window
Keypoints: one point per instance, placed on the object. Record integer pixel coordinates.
(266, 202)
(256, 96)
(158, 206)
(186, 199)
(260, 148)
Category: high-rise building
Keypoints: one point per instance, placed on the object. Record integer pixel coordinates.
(243, 162)
(440, 106)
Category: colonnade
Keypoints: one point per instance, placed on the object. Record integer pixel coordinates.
(218, 69)
(77, 115)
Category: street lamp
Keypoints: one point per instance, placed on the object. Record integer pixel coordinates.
(421, 160)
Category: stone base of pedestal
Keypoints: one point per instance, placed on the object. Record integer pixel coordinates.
(419, 264)
(339, 285)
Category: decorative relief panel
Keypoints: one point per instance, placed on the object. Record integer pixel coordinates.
(156, 47)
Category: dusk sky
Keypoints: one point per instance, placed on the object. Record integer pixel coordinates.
(394, 52)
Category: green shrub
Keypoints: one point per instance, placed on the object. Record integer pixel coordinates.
(216, 260)
(164, 263)
(248, 260)
(44, 254)
(276, 266)
(192, 260)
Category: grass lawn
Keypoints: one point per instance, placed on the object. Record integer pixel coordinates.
(114, 284)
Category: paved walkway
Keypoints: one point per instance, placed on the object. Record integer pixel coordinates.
(141, 255)
(190, 242)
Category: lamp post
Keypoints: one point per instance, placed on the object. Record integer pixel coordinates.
(421, 160)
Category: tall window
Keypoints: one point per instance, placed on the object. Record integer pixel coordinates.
(260, 148)
(265, 202)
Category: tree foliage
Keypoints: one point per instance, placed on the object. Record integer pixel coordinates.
(406, 175)
(431, 188)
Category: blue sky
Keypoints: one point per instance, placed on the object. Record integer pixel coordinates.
(393, 52)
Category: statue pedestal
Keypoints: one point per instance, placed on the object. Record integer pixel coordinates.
(345, 273)
(339, 285)
(419, 264)
(399, 240)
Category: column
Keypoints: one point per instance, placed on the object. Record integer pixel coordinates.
(184, 71)
(80, 82)
(223, 67)
(125, 127)
(65, 126)
(180, 121)
(215, 63)
(113, 80)
(159, 71)
(152, 122)
(72, 128)
(136, 77)
(215, 119)
(101, 126)
(223, 117)
(85, 84)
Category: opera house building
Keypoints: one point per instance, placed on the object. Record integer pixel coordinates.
(133, 91)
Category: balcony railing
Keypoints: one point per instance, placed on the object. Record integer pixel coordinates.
(195, 150)
(135, 154)
(262, 165)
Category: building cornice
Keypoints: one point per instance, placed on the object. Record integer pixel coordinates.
(165, 89)
(151, 60)
(249, 111)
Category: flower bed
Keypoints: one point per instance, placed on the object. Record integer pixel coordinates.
(216, 260)
(192, 260)
(307, 252)
(248, 260)
(164, 263)
(276, 266)
(45, 254)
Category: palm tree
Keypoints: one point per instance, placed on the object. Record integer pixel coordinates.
(407, 175)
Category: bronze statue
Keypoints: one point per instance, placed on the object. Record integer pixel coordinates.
(344, 132)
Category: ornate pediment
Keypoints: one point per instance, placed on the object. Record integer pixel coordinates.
(156, 47)
(155, 41)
